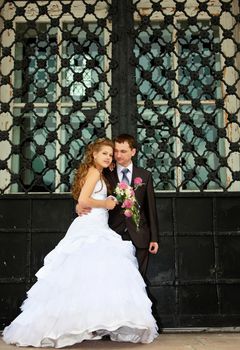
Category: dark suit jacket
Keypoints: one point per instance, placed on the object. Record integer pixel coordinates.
(148, 230)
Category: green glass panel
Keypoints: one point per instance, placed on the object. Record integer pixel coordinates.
(83, 62)
(35, 52)
(157, 145)
(200, 133)
(36, 149)
(199, 61)
(154, 61)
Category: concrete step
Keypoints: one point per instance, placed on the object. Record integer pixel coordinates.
(192, 341)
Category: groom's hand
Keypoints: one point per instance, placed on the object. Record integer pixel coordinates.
(153, 247)
(80, 210)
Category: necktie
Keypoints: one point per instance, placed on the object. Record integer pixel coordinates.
(125, 178)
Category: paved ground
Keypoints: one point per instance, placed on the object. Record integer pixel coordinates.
(193, 341)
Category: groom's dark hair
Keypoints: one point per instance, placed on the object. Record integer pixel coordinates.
(126, 138)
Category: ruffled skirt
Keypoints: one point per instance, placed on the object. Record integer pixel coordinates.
(89, 287)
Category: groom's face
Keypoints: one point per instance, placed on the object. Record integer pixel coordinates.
(123, 153)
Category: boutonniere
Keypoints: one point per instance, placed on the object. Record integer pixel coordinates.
(138, 182)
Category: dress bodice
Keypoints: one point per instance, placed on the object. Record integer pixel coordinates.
(101, 214)
(100, 190)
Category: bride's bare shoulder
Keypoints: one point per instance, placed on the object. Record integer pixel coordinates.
(93, 173)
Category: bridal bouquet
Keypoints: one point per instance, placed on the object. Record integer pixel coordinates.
(125, 194)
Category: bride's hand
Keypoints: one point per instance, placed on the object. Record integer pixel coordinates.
(81, 210)
(110, 203)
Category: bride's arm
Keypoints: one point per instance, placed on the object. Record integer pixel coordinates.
(85, 199)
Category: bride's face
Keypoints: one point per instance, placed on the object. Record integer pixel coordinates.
(103, 158)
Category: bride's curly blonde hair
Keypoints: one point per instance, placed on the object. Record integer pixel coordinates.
(87, 162)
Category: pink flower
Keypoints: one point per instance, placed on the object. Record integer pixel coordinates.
(123, 185)
(127, 204)
(128, 213)
(137, 181)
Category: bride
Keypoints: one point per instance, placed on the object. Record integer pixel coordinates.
(89, 285)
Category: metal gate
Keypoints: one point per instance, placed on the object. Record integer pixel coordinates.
(165, 71)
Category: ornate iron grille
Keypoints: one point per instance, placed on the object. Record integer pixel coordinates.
(56, 89)
(58, 92)
(187, 88)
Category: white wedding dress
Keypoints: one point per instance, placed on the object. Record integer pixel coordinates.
(89, 287)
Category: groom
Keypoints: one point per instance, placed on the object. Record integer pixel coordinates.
(146, 237)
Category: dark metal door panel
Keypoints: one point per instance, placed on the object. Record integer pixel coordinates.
(194, 280)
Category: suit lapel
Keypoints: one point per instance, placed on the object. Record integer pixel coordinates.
(134, 174)
(114, 177)
(137, 173)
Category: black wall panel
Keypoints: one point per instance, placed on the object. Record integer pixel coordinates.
(194, 280)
